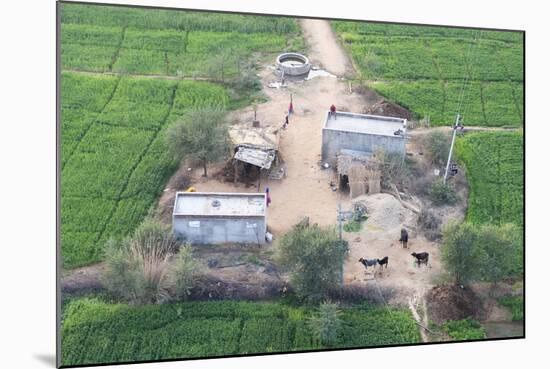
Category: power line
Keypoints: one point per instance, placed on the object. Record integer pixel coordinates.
(465, 86)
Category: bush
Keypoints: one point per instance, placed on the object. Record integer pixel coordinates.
(184, 272)
(430, 224)
(489, 253)
(437, 145)
(393, 168)
(352, 226)
(443, 193)
(326, 324)
(515, 304)
(314, 256)
(466, 329)
(137, 268)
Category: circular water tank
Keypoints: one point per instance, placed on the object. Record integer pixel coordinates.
(293, 64)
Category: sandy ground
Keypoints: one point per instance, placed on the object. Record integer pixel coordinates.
(379, 238)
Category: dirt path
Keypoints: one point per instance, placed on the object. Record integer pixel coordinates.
(325, 50)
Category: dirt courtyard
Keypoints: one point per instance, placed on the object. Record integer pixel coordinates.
(379, 237)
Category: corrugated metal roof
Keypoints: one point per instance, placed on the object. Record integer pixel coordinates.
(219, 204)
(257, 157)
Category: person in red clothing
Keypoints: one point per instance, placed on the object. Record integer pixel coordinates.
(333, 111)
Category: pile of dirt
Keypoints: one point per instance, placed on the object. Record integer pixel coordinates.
(389, 109)
(453, 302)
(385, 211)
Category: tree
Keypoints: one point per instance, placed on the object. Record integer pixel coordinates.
(314, 257)
(488, 252)
(326, 324)
(460, 252)
(202, 134)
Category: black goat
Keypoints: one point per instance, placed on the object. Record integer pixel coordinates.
(383, 261)
(421, 257)
(368, 263)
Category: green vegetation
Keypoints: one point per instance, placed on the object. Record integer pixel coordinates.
(167, 42)
(326, 323)
(422, 68)
(314, 257)
(114, 158)
(466, 329)
(146, 267)
(201, 134)
(443, 193)
(515, 304)
(352, 226)
(96, 332)
(437, 144)
(482, 253)
(494, 163)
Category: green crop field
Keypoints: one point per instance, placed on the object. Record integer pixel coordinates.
(166, 42)
(423, 68)
(95, 332)
(494, 163)
(113, 157)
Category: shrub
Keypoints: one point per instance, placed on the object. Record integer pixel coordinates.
(437, 145)
(137, 268)
(184, 272)
(326, 324)
(352, 226)
(490, 253)
(393, 168)
(430, 224)
(515, 304)
(442, 193)
(466, 329)
(460, 252)
(314, 256)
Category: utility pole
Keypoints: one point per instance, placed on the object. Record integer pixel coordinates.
(340, 225)
(341, 217)
(455, 128)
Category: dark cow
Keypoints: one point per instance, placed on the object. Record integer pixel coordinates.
(368, 263)
(421, 257)
(383, 261)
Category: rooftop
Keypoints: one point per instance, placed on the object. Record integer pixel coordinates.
(367, 124)
(219, 204)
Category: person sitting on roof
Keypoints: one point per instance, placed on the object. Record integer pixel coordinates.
(333, 111)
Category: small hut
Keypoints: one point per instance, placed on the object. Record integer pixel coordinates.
(359, 171)
(255, 151)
